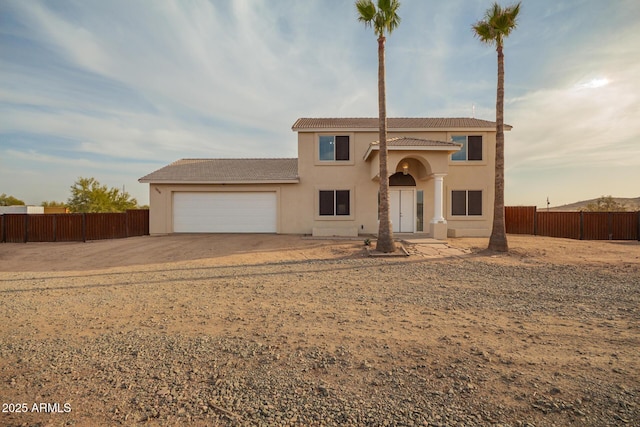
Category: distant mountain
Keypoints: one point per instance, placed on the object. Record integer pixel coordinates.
(632, 204)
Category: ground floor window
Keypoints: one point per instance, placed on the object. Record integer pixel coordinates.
(334, 203)
(466, 203)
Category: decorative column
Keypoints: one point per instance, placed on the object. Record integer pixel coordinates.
(438, 223)
(438, 183)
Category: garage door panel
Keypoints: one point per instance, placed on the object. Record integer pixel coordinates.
(221, 212)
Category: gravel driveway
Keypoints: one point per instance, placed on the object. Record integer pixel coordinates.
(280, 330)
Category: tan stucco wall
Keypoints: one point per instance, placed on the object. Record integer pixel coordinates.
(357, 175)
(298, 203)
(474, 175)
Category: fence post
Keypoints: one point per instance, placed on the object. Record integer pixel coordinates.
(26, 228)
(535, 221)
(4, 228)
(84, 227)
(581, 225)
(55, 226)
(638, 226)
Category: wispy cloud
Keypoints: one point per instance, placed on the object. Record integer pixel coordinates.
(228, 66)
(592, 120)
(134, 85)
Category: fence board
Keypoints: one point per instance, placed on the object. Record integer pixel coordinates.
(16, 228)
(40, 228)
(101, 226)
(624, 225)
(520, 219)
(573, 225)
(595, 225)
(68, 228)
(558, 224)
(137, 222)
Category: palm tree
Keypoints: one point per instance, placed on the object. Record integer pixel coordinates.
(497, 24)
(383, 19)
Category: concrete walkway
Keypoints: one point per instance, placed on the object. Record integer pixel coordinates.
(420, 245)
(430, 248)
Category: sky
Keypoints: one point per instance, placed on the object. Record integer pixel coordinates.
(117, 89)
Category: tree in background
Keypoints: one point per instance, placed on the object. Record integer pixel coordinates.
(606, 204)
(492, 30)
(9, 200)
(88, 195)
(384, 19)
(53, 204)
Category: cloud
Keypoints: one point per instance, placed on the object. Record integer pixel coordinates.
(116, 83)
(568, 125)
(590, 120)
(140, 84)
(187, 65)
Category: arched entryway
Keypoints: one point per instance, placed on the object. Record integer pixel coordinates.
(427, 161)
(402, 202)
(400, 179)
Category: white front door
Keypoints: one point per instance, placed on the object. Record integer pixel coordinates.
(402, 209)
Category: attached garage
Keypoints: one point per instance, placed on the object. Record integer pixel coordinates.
(225, 212)
(219, 195)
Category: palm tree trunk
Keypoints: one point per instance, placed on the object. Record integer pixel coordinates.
(385, 233)
(498, 239)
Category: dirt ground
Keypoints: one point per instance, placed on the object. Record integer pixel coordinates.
(286, 330)
(257, 248)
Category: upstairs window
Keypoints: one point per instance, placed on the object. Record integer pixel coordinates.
(466, 203)
(334, 148)
(334, 203)
(471, 148)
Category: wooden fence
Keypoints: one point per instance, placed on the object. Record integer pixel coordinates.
(16, 228)
(573, 225)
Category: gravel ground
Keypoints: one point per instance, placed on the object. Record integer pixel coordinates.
(326, 338)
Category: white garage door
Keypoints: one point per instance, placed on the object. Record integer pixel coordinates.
(199, 212)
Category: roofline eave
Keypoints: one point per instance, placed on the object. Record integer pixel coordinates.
(449, 149)
(390, 129)
(200, 182)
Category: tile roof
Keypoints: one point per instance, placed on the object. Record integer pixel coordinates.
(226, 171)
(393, 123)
(413, 144)
(402, 141)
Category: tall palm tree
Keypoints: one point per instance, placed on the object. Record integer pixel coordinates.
(383, 19)
(497, 24)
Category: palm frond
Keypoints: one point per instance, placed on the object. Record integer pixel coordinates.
(366, 12)
(390, 12)
(383, 18)
(497, 24)
(483, 31)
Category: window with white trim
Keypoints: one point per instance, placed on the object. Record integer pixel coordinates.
(333, 148)
(334, 203)
(466, 203)
(471, 148)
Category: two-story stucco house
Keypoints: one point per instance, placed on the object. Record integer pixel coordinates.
(441, 182)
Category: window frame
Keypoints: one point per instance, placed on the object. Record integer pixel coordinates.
(349, 151)
(420, 211)
(478, 197)
(466, 149)
(335, 206)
